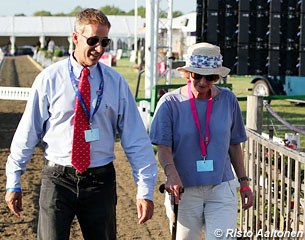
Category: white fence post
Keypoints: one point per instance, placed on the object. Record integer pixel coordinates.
(255, 113)
(144, 109)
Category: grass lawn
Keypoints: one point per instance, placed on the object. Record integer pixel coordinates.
(295, 115)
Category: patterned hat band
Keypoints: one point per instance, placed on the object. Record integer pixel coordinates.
(202, 61)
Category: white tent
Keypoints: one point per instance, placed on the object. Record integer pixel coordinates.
(122, 26)
(36, 26)
(18, 30)
(28, 30)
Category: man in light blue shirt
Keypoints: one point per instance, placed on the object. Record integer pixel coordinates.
(49, 118)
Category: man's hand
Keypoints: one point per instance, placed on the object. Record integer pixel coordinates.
(14, 202)
(145, 210)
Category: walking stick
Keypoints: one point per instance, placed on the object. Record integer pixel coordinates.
(175, 215)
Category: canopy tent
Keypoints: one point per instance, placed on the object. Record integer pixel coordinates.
(122, 26)
(36, 26)
(20, 30)
(12, 29)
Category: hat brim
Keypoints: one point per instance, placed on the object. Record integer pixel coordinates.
(222, 71)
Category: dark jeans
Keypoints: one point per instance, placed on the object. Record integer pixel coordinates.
(91, 197)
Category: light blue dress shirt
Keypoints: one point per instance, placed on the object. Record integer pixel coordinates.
(49, 115)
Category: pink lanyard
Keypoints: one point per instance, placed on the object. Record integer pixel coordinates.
(204, 141)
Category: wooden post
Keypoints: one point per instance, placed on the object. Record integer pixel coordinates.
(255, 113)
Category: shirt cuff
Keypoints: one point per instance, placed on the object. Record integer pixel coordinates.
(146, 190)
(13, 180)
(13, 190)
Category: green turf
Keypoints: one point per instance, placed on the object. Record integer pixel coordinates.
(295, 115)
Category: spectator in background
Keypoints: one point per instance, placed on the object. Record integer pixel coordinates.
(37, 48)
(51, 46)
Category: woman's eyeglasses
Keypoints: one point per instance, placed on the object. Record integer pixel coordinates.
(209, 78)
(92, 41)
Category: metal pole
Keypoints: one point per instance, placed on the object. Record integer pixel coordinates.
(149, 47)
(169, 54)
(136, 29)
(156, 33)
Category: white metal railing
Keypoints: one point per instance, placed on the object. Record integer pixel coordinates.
(14, 93)
(21, 93)
(278, 182)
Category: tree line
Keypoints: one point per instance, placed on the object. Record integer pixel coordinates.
(108, 10)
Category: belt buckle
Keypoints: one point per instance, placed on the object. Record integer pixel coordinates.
(77, 173)
(80, 175)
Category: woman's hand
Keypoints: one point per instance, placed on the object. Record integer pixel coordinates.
(246, 194)
(173, 183)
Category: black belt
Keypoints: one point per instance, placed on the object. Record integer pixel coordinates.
(90, 171)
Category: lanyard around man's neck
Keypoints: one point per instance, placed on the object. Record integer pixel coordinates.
(99, 92)
(204, 140)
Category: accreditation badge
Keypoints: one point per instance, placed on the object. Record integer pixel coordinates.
(205, 165)
(92, 135)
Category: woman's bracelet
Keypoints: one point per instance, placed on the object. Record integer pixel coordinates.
(244, 189)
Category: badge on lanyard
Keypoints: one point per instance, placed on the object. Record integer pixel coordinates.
(92, 135)
(205, 166)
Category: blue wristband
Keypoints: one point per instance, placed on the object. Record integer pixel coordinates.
(13, 190)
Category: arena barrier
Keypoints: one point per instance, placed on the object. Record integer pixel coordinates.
(14, 93)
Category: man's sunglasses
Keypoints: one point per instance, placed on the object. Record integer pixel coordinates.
(92, 41)
(209, 78)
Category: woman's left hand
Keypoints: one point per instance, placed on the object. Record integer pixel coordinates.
(247, 198)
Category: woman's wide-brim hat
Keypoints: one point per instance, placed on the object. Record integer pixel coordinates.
(204, 59)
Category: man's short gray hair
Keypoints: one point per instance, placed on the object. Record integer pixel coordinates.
(90, 16)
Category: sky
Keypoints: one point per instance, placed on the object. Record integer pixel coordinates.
(28, 7)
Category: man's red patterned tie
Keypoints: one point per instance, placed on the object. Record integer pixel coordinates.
(81, 148)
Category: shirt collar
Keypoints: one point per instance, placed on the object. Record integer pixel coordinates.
(77, 68)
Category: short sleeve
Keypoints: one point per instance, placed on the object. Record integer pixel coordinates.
(238, 132)
(161, 131)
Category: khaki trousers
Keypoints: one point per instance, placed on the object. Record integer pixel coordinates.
(211, 210)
